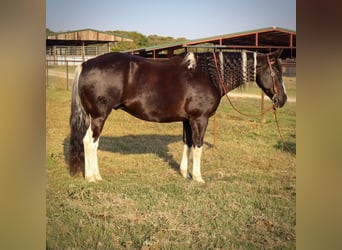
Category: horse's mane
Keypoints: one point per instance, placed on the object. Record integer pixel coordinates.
(235, 68)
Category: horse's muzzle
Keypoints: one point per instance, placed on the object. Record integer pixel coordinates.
(279, 101)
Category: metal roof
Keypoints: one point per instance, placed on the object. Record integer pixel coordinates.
(271, 36)
(261, 40)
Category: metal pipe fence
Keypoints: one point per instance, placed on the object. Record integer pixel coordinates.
(50, 63)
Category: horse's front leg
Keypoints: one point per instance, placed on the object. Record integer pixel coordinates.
(196, 169)
(184, 162)
(187, 139)
(198, 127)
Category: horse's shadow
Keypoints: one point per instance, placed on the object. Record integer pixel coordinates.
(136, 144)
(287, 146)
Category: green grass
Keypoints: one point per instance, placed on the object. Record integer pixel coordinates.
(248, 201)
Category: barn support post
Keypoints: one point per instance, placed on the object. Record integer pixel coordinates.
(256, 39)
(169, 53)
(54, 49)
(291, 44)
(47, 72)
(67, 75)
(83, 51)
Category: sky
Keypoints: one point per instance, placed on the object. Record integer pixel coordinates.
(191, 19)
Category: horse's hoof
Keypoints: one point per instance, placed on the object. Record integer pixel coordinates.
(186, 174)
(90, 179)
(198, 179)
(98, 177)
(93, 178)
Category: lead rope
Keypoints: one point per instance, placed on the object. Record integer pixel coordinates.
(274, 108)
(226, 94)
(250, 115)
(279, 132)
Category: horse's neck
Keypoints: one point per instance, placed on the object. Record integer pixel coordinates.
(233, 84)
(227, 73)
(230, 79)
(238, 69)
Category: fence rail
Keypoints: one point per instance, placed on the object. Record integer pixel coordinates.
(67, 63)
(63, 60)
(76, 50)
(289, 69)
(58, 55)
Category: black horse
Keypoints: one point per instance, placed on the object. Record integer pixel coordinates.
(186, 88)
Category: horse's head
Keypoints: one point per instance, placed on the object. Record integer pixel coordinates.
(269, 77)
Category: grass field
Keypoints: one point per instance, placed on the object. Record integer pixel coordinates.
(247, 202)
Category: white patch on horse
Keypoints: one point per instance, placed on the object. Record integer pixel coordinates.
(77, 104)
(244, 66)
(190, 60)
(91, 170)
(282, 82)
(196, 169)
(184, 163)
(255, 64)
(221, 65)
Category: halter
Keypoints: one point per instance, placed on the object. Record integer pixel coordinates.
(272, 75)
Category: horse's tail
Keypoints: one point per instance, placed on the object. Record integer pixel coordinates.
(79, 123)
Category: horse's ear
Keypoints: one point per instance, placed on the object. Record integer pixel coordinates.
(277, 53)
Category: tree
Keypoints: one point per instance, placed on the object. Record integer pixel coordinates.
(49, 32)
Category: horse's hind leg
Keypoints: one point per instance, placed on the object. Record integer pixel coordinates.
(90, 156)
(91, 143)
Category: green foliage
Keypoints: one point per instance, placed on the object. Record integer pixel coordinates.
(157, 40)
(122, 46)
(141, 40)
(49, 32)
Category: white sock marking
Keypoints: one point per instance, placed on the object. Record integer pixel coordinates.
(196, 170)
(185, 159)
(90, 157)
(284, 87)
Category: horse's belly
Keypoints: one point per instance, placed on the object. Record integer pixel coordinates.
(157, 113)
